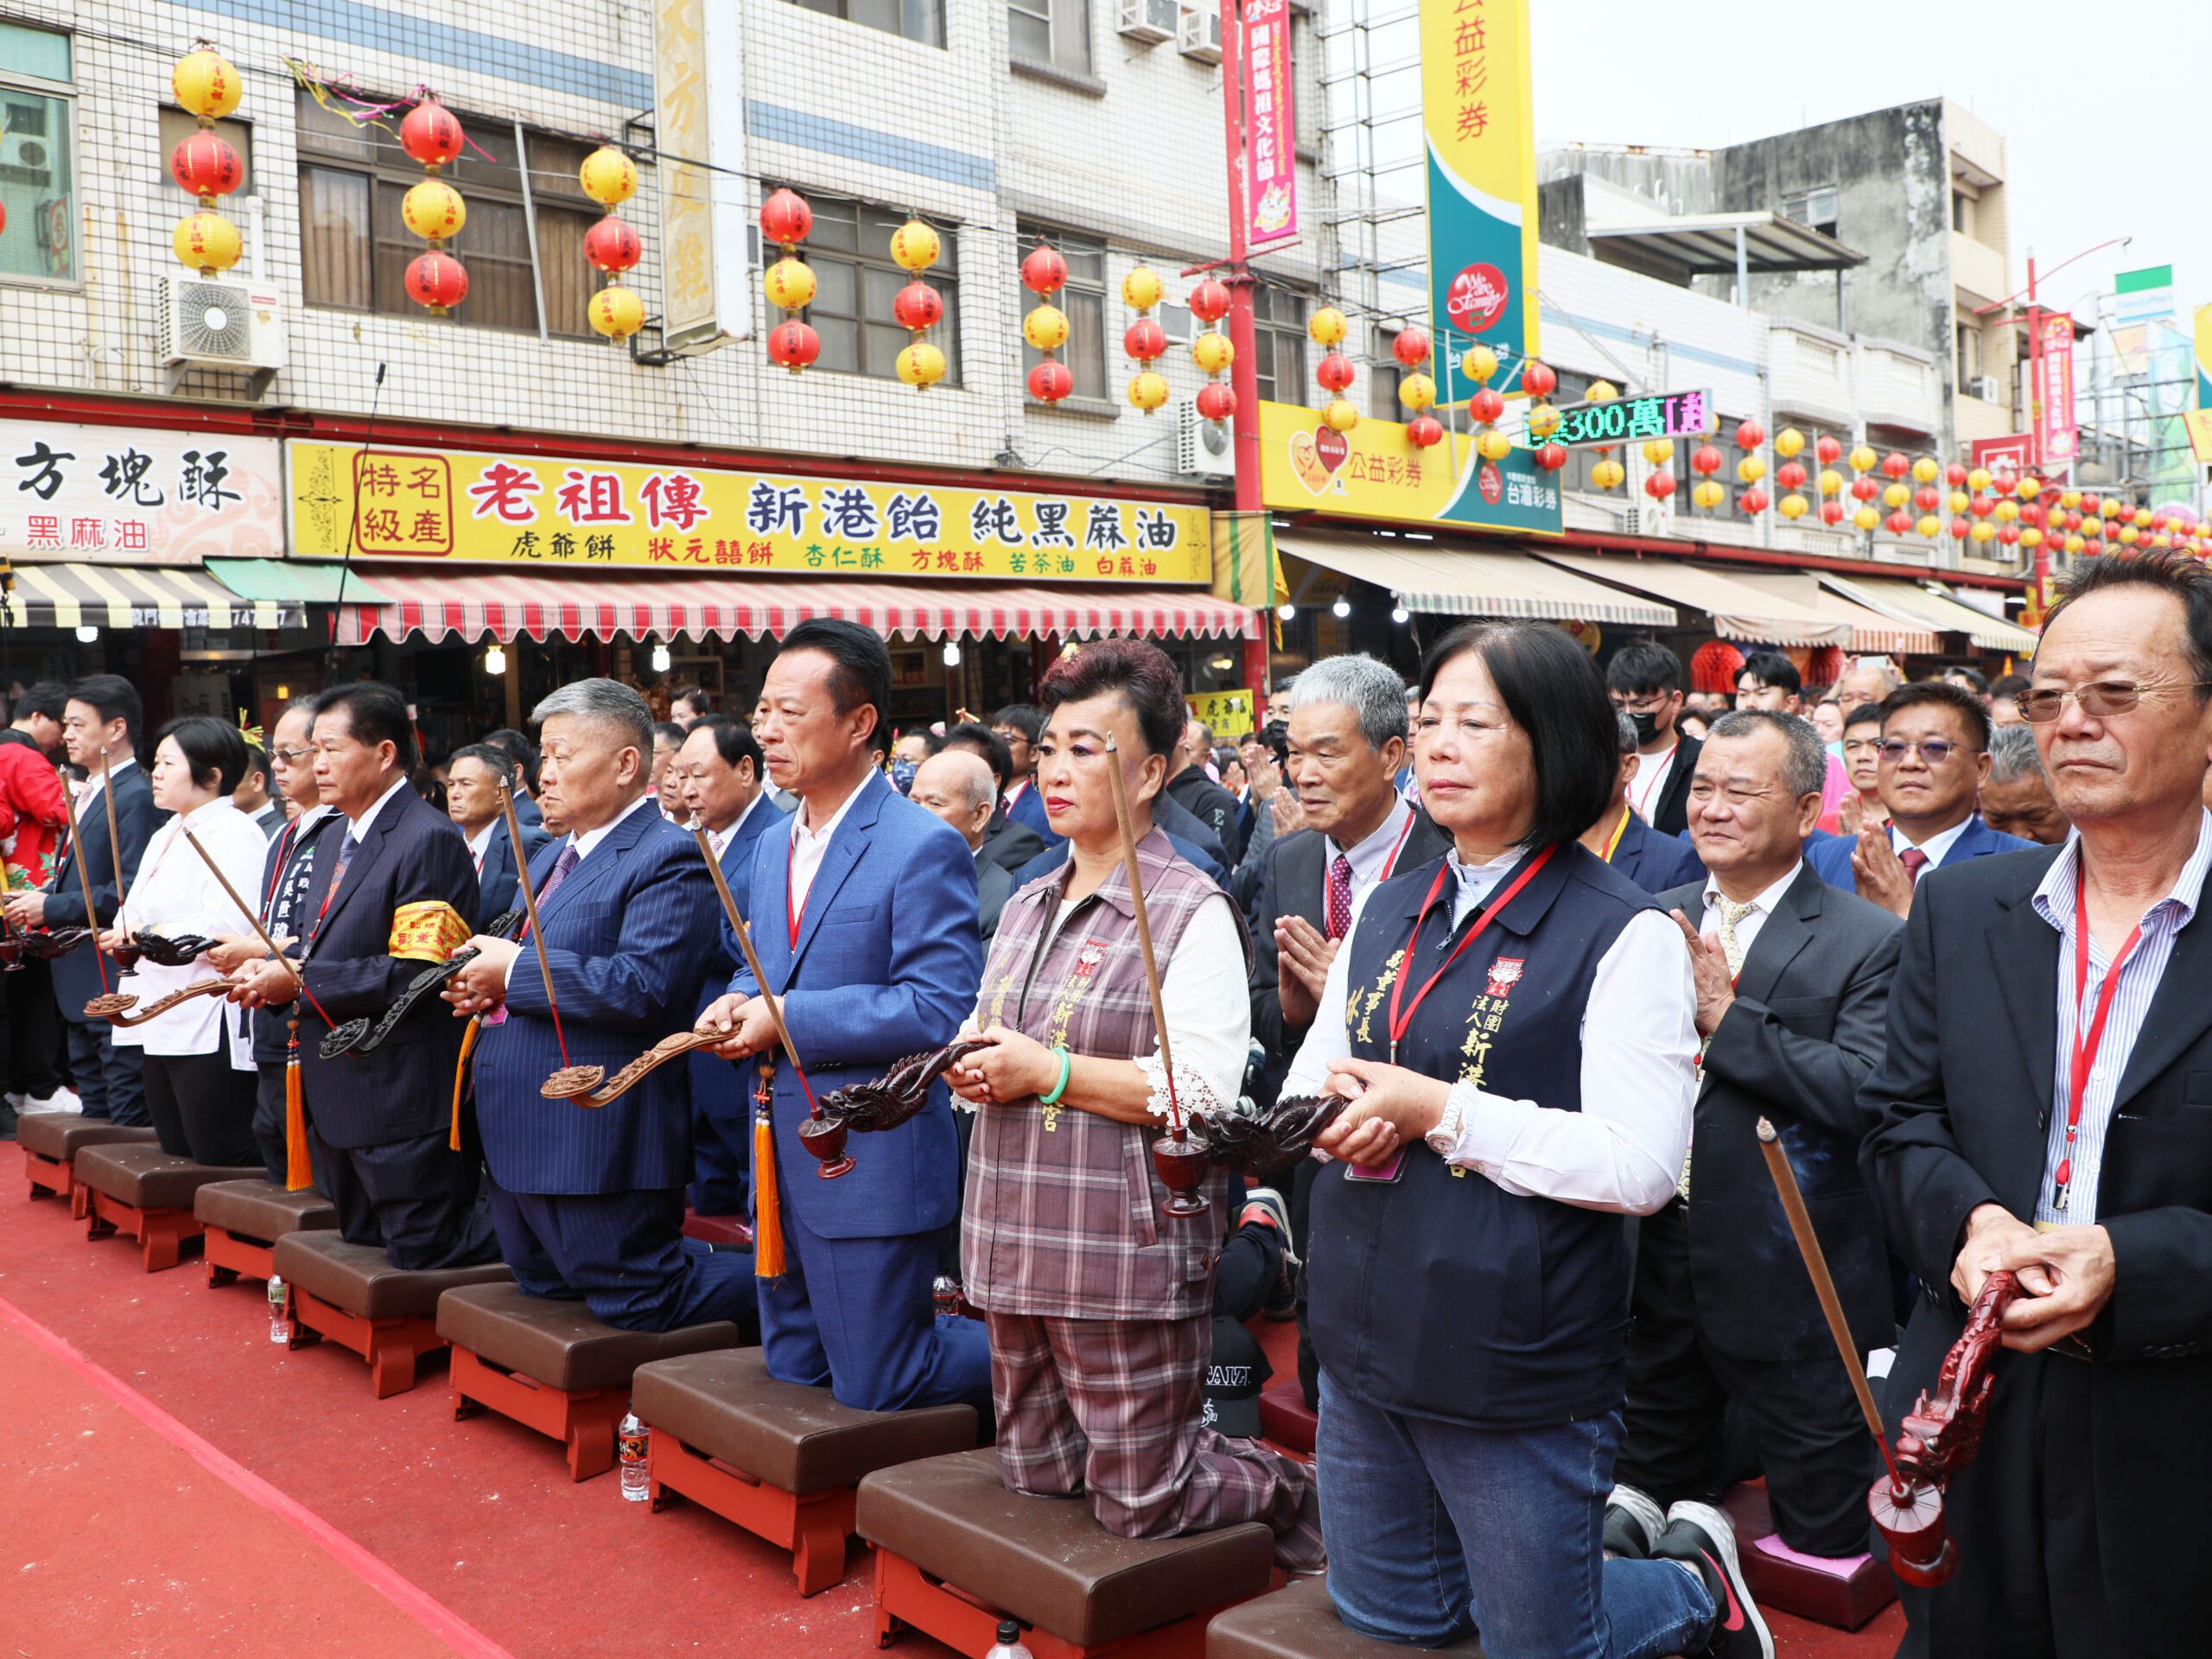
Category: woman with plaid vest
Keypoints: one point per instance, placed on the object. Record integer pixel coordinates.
(1100, 1307)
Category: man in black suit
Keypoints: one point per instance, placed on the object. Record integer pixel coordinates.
(390, 893)
(101, 719)
(1203, 799)
(523, 753)
(1655, 862)
(1007, 842)
(473, 802)
(1793, 979)
(2044, 1105)
(957, 785)
(1644, 680)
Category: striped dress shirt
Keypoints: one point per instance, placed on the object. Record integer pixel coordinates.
(2055, 901)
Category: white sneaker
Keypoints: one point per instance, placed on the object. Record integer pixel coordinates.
(15, 1101)
(61, 1100)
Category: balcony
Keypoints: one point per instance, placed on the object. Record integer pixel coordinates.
(1978, 268)
(1812, 374)
(1899, 387)
(1974, 418)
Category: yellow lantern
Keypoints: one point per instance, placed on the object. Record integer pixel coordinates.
(915, 247)
(2129, 535)
(1541, 420)
(1978, 479)
(1341, 416)
(206, 84)
(921, 365)
(1831, 480)
(1660, 451)
(2031, 536)
(2070, 499)
(1751, 469)
(1327, 326)
(1866, 518)
(1896, 496)
(1046, 327)
(1789, 442)
(2075, 541)
(609, 177)
(1792, 505)
(617, 311)
(1709, 493)
(1479, 365)
(1960, 501)
(207, 242)
(1492, 444)
(433, 210)
(1141, 289)
(1863, 458)
(2005, 511)
(2109, 508)
(1983, 531)
(1416, 392)
(1148, 390)
(2143, 517)
(2028, 487)
(1930, 526)
(1608, 474)
(1603, 392)
(1212, 353)
(790, 284)
(1925, 469)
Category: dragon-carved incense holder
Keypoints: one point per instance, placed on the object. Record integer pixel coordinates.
(362, 1036)
(590, 1085)
(896, 1098)
(49, 947)
(1264, 1143)
(172, 950)
(119, 1008)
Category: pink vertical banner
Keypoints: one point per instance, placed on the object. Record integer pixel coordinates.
(2057, 439)
(1270, 123)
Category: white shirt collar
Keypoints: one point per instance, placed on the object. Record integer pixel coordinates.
(1369, 856)
(1937, 846)
(114, 767)
(2055, 894)
(358, 828)
(802, 836)
(1767, 902)
(591, 838)
(1476, 881)
(481, 843)
(200, 815)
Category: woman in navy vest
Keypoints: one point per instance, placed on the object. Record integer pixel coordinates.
(1519, 1036)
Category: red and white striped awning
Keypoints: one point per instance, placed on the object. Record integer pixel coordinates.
(502, 606)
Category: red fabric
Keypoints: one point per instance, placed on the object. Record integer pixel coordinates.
(33, 813)
(1714, 666)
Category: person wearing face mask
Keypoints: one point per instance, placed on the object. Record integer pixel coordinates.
(1644, 681)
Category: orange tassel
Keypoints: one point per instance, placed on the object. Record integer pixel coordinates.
(767, 1210)
(298, 1170)
(461, 1079)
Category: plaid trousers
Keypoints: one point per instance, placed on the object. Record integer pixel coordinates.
(1111, 1408)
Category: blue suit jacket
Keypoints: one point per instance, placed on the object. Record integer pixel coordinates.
(77, 975)
(717, 1085)
(628, 936)
(1029, 808)
(497, 891)
(888, 963)
(528, 812)
(1655, 862)
(1831, 858)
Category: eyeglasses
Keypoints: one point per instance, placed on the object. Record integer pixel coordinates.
(291, 757)
(2098, 699)
(1650, 703)
(1934, 750)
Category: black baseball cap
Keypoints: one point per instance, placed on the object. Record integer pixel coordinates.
(1235, 1375)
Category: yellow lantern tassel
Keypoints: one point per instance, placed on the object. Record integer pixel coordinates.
(460, 1080)
(767, 1206)
(299, 1168)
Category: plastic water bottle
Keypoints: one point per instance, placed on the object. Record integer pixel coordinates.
(1008, 1646)
(280, 1326)
(637, 1484)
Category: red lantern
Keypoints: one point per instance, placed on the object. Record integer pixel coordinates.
(786, 219)
(1486, 405)
(2032, 513)
(1706, 460)
(1551, 456)
(1926, 499)
(1146, 339)
(1209, 301)
(1831, 509)
(1830, 450)
(1218, 403)
(1790, 476)
(1714, 666)
(1896, 464)
(1334, 372)
(1900, 522)
(918, 306)
(1411, 348)
(1659, 485)
(430, 135)
(1752, 501)
(793, 346)
(1537, 379)
(437, 280)
(1981, 505)
(1424, 431)
(1051, 380)
(1955, 475)
(2004, 481)
(612, 245)
(206, 166)
(1044, 271)
(2092, 507)
(1961, 527)
(2072, 521)
(1864, 489)
(1749, 436)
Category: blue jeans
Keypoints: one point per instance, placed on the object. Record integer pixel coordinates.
(1436, 1531)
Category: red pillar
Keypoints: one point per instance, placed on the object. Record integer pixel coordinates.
(1243, 373)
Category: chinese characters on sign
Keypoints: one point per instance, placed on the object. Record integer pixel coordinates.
(2057, 439)
(117, 495)
(1656, 414)
(1270, 125)
(1372, 471)
(528, 509)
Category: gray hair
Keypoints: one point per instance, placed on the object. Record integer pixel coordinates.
(1628, 741)
(606, 702)
(2013, 755)
(1805, 769)
(1371, 689)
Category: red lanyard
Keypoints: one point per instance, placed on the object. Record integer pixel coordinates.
(2085, 1043)
(1658, 770)
(791, 866)
(1399, 1022)
(1397, 847)
(284, 839)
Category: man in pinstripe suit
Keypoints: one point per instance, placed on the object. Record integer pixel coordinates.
(589, 1202)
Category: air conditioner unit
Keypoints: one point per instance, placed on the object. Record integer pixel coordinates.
(1152, 21)
(1203, 448)
(1983, 387)
(1198, 34)
(202, 324)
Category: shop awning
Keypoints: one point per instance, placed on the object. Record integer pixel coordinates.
(1739, 611)
(136, 596)
(1934, 607)
(296, 581)
(1455, 580)
(441, 604)
(1871, 631)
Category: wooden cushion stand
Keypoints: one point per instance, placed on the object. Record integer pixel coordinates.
(1301, 1622)
(138, 1189)
(51, 1142)
(1286, 1418)
(353, 1294)
(551, 1366)
(731, 1232)
(241, 1222)
(956, 1552)
(1842, 1603)
(777, 1458)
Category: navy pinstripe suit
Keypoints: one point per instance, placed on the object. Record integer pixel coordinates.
(589, 1202)
(722, 1093)
(108, 1078)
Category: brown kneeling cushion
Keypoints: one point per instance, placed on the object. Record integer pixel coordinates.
(360, 1278)
(261, 1209)
(561, 1344)
(1045, 1559)
(139, 1174)
(62, 1135)
(726, 1405)
(1301, 1622)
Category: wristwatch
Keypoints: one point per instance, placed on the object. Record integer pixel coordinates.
(1444, 1139)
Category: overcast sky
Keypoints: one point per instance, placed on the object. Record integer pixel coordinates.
(2101, 110)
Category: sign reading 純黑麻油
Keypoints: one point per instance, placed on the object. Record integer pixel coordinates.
(484, 507)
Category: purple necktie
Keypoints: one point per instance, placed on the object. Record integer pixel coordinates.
(562, 867)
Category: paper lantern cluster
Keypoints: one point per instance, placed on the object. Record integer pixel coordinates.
(1145, 341)
(610, 178)
(207, 86)
(918, 308)
(1607, 474)
(785, 221)
(1212, 352)
(433, 209)
(1044, 273)
(1326, 327)
(1416, 387)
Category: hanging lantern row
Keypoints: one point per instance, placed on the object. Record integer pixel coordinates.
(786, 220)
(918, 308)
(1327, 329)
(1212, 352)
(208, 86)
(1145, 341)
(1044, 273)
(612, 247)
(430, 135)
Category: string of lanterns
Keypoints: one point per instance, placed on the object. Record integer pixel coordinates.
(786, 220)
(1212, 352)
(1044, 273)
(1327, 328)
(918, 308)
(208, 87)
(1145, 341)
(612, 247)
(433, 209)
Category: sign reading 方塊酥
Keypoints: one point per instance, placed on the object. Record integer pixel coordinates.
(483, 507)
(137, 495)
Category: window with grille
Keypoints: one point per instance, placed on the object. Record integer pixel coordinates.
(1084, 300)
(918, 20)
(1279, 341)
(1815, 209)
(856, 281)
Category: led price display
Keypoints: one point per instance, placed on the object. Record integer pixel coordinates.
(1657, 414)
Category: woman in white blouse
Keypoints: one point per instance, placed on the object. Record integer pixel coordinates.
(200, 1098)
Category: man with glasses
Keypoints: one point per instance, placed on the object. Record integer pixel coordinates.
(1644, 681)
(1933, 760)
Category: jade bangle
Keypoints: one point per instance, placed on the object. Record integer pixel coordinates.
(1067, 1067)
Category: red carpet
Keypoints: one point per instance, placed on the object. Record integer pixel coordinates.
(214, 1494)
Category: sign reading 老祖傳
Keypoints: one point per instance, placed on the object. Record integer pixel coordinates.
(137, 495)
(482, 507)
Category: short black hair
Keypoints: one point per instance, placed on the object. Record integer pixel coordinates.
(973, 735)
(2008, 686)
(859, 665)
(697, 695)
(734, 741)
(1553, 690)
(670, 730)
(1977, 682)
(256, 759)
(520, 751)
(212, 747)
(1137, 671)
(489, 755)
(1862, 713)
(931, 743)
(1773, 671)
(1942, 693)
(1638, 668)
(375, 713)
(48, 698)
(111, 698)
(2182, 575)
(1024, 718)
(1274, 736)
